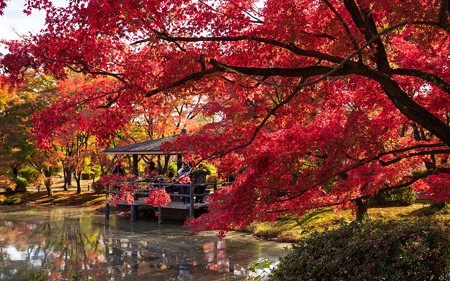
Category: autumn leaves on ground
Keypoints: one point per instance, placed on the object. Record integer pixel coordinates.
(88, 198)
(60, 198)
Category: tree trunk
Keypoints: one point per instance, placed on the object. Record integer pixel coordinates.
(67, 177)
(361, 211)
(48, 185)
(77, 176)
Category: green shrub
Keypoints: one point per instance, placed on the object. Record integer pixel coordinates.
(370, 251)
(98, 187)
(212, 179)
(403, 196)
(172, 169)
(21, 185)
(30, 174)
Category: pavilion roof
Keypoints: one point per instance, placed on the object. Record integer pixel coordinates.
(150, 147)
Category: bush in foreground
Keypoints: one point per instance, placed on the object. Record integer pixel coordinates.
(370, 251)
(30, 174)
(19, 185)
(98, 187)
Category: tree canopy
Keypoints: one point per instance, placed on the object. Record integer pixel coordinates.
(311, 103)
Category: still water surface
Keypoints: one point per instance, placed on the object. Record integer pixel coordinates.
(61, 243)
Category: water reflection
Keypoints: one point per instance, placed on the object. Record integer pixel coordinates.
(62, 242)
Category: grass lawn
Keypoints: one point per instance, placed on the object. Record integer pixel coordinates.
(292, 229)
(61, 198)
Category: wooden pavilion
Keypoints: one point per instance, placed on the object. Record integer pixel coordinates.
(150, 147)
(153, 147)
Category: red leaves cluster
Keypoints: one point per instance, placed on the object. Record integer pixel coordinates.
(112, 180)
(158, 197)
(435, 188)
(125, 194)
(2, 6)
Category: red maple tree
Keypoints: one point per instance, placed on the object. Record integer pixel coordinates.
(311, 103)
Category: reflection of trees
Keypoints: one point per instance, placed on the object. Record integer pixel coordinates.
(62, 246)
(67, 243)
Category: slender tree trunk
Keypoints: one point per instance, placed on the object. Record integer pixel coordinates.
(77, 176)
(48, 185)
(67, 177)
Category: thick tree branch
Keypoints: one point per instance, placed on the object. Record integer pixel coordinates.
(409, 155)
(444, 12)
(288, 46)
(362, 17)
(191, 77)
(432, 78)
(283, 72)
(410, 108)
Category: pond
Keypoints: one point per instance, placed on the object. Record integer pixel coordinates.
(77, 244)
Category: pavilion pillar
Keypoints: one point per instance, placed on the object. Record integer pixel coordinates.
(179, 161)
(191, 205)
(134, 212)
(135, 164)
(160, 218)
(107, 211)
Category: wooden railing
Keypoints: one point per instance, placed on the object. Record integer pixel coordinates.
(177, 191)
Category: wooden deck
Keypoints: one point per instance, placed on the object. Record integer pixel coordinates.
(176, 196)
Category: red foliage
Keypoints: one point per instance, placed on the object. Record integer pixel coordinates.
(183, 180)
(309, 103)
(2, 6)
(158, 197)
(125, 194)
(435, 187)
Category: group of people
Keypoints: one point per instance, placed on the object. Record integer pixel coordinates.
(150, 171)
(198, 177)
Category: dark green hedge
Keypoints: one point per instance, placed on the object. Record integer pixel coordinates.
(402, 197)
(30, 174)
(370, 251)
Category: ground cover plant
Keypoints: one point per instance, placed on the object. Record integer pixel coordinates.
(370, 251)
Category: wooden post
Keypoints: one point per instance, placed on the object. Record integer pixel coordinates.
(160, 214)
(107, 211)
(191, 206)
(135, 164)
(179, 162)
(107, 204)
(134, 211)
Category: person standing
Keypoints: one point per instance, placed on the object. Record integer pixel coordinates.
(183, 178)
(185, 170)
(200, 182)
(15, 172)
